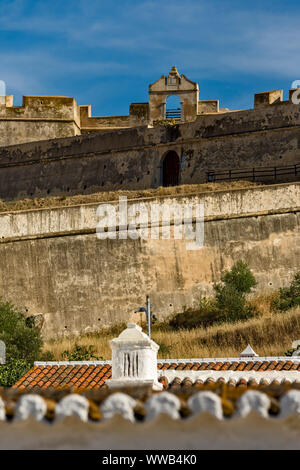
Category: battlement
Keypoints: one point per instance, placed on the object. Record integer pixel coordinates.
(40, 107)
(138, 116)
(50, 117)
(39, 118)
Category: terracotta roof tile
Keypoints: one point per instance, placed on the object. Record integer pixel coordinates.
(225, 365)
(287, 365)
(163, 380)
(233, 365)
(257, 365)
(252, 382)
(275, 382)
(286, 382)
(187, 382)
(175, 383)
(210, 380)
(264, 365)
(242, 383)
(198, 382)
(218, 366)
(264, 382)
(94, 375)
(279, 365)
(231, 382)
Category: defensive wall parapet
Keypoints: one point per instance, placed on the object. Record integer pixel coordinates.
(134, 158)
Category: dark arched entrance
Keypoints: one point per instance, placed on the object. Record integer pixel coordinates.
(171, 167)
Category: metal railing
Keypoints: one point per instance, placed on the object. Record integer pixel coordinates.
(173, 113)
(254, 174)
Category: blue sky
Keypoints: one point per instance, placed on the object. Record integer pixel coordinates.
(105, 53)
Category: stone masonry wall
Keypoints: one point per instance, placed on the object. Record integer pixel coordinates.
(39, 118)
(132, 158)
(51, 261)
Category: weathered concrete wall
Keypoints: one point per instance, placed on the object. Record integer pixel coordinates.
(39, 118)
(208, 106)
(52, 262)
(132, 158)
(138, 116)
(49, 117)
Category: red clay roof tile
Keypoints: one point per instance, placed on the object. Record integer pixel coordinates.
(95, 375)
(279, 365)
(233, 365)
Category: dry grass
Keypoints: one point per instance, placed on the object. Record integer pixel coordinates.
(270, 334)
(61, 201)
(262, 301)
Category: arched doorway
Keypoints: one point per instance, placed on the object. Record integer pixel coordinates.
(170, 169)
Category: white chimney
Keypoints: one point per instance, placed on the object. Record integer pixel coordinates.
(134, 359)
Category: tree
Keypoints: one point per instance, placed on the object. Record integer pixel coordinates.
(23, 343)
(228, 305)
(81, 353)
(230, 293)
(288, 297)
(240, 278)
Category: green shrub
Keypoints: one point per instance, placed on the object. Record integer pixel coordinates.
(290, 352)
(204, 315)
(288, 297)
(23, 344)
(230, 293)
(22, 341)
(13, 370)
(240, 278)
(81, 353)
(228, 305)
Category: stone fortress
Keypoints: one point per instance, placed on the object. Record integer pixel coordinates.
(52, 146)
(51, 261)
(50, 117)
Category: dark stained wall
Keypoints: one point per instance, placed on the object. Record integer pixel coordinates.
(132, 158)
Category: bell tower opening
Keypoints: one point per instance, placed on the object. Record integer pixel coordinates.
(170, 169)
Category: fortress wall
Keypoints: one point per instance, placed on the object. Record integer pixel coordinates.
(32, 130)
(51, 261)
(39, 118)
(138, 116)
(132, 158)
(217, 205)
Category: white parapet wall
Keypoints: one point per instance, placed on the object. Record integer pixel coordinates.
(217, 205)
